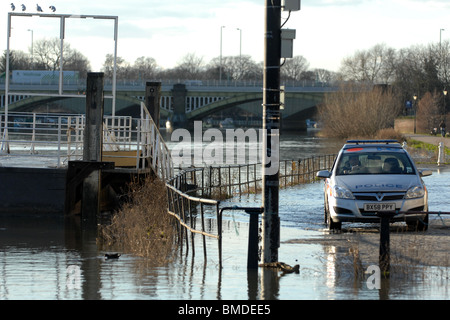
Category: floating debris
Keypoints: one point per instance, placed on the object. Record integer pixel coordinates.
(282, 266)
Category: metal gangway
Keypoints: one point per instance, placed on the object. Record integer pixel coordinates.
(52, 140)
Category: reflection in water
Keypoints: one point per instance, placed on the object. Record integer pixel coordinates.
(331, 269)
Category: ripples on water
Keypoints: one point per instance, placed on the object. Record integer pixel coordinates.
(47, 258)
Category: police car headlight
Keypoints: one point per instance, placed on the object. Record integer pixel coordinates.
(342, 193)
(415, 192)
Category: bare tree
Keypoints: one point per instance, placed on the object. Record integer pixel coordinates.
(236, 67)
(122, 67)
(47, 53)
(375, 65)
(325, 76)
(145, 68)
(295, 68)
(428, 112)
(417, 71)
(443, 50)
(18, 60)
(190, 67)
(358, 111)
(47, 56)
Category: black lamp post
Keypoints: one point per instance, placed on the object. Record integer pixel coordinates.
(415, 111)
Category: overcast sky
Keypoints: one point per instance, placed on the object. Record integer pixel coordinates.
(327, 30)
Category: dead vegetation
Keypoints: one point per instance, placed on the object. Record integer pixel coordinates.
(142, 226)
(358, 111)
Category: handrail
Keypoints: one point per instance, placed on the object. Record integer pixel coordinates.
(207, 180)
(60, 137)
(154, 147)
(180, 206)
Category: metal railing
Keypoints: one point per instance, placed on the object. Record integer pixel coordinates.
(197, 192)
(125, 84)
(220, 182)
(186, 209)
(44, 139)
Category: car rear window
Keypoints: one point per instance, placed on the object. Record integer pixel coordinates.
(357, 161)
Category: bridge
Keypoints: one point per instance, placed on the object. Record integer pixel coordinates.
(181, 101)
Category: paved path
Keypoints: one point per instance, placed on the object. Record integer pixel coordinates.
(429, 139)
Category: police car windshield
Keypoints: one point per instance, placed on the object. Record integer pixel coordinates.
(366, 162)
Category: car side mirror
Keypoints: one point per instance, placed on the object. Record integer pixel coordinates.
(425, 173)
(323, 174)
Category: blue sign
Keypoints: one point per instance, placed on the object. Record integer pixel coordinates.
(408, 104)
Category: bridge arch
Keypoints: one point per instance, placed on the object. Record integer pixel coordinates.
(295, 103)
(222, 104)
(123, 101)
(199, 101)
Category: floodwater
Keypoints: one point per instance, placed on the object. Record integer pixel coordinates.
(48, 257)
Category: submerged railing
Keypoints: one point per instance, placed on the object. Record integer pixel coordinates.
(195, 193)
(220, 182)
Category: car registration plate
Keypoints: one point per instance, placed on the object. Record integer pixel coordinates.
(379, 207)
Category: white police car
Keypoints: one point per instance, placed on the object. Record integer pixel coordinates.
(369, 176)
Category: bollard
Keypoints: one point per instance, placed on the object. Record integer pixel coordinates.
(385, 254)
(441, 154)
(252, 255)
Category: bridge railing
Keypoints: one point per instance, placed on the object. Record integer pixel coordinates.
(130, 83)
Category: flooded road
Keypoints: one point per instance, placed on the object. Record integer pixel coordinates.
(46, 257)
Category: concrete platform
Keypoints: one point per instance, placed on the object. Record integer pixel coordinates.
(32, 190)
(45, 190)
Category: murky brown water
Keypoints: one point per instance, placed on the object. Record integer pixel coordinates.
(46, 257)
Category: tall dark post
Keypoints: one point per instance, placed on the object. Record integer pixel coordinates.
(92, 147)
(152, 98)
(271, 125)
(92, 144)
(385, 251)
(179, 93)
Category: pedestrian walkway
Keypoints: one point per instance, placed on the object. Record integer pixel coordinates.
(429, 139)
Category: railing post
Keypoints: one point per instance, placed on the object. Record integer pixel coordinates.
(33, 136)
(59, 142)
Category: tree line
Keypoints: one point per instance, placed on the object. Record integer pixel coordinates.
(46, 55)
(411, 81)
(420, 71)
(414, 70)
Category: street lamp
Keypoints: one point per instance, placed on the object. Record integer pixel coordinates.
(415, 111)
(240, 42)
(31, 47)
(220, 62)
(445, 111)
